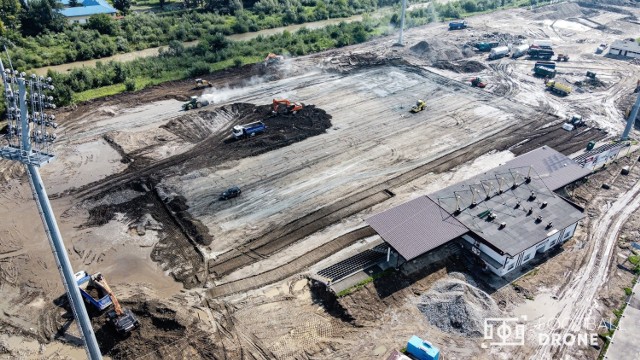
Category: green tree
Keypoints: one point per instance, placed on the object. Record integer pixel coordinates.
(122, 5)
(9, 13)
(103, 23)
(469, 6)
(74, 3)
(42, 15)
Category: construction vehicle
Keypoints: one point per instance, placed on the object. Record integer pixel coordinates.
(562, 57)
(547, 64)
(637, 87)
(576, 120)
(477, 82)
(419, 106)
(558, 88)
(194, 102)
(121, 318)
(542, 44)
(591, 75)
(284, 106)
(601, 48)
(87, 284)
(457, 25)
(486, 46)
(230, 193)
(273, 59)
(540, 53)
(202, 83)
(519, 50)
(498, 52)
(543, 71)
(247, 130)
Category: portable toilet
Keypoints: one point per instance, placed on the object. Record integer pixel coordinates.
(591, 145)
(422, 349)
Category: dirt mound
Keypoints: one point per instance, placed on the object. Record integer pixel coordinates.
(338, 61)
(456, 306)
(465, 66)
(164, 333)
(558, 11)
(436, 50)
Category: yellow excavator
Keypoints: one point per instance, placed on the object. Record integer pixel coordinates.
(419, 106)
(122, 319)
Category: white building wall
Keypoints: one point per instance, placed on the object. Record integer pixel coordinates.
(512, 263)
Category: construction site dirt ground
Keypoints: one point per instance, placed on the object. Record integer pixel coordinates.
(136, 181)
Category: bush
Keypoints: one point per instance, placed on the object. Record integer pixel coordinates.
(102, 23)
(199, 68)
(237, 62)
(130, 85)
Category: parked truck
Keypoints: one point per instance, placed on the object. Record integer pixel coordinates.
(540, 53)
(247, 130)
(519, 50)
(543, 44)
(498, 52)
(547, 64)
(601, 48)
(88, 286)
(558, 88)
(486, 46)
(544, 71)
(457, 25)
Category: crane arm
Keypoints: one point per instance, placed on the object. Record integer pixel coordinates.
(116, 305)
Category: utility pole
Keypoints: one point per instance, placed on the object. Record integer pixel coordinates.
(404, 7)
(29, 141)
(631, 120)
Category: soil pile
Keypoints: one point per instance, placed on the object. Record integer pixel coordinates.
(455, 306)
(465, 66)
(558, 11)
(164, 333)
(436, 50)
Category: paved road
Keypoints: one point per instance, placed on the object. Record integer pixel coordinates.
(625, 344)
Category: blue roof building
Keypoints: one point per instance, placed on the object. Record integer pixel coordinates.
(80, 14)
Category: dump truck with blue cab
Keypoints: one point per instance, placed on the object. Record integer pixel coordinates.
(248, 130)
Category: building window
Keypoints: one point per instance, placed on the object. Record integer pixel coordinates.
(511, 267)
(527, 257)
(553, 242)
(567, 234)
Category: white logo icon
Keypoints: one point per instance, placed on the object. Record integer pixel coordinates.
(504, 331)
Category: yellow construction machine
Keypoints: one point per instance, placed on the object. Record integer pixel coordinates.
(122, 319)
(419, 106)
(202, 83)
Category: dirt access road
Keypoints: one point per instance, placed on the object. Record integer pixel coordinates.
(137, 179)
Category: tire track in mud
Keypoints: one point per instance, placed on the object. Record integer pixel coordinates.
(579, 296)
(293, 267)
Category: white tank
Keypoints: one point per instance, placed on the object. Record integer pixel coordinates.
(519, 50)
(498, 52)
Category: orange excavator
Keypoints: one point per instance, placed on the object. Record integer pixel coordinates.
(122, 319)
(284, 106)
(273, 59)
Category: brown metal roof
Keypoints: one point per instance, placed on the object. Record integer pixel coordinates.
(552, 167)
(423, 224)
(416, 227)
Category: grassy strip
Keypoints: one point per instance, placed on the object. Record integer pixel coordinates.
(364, 282)
(606, 337)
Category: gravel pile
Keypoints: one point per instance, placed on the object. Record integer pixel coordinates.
(436, 50)
(455, 305)
(559, 11)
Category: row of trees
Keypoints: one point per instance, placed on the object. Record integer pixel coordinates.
(198, 60)
(44, 38)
